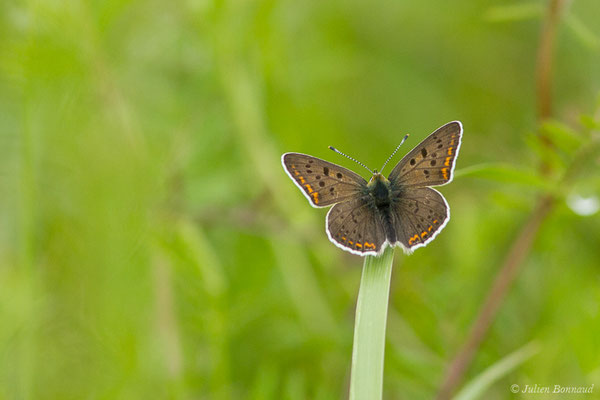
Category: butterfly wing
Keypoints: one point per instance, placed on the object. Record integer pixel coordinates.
(355, 226)
(419, 215)
(323, 183)
(431, 162)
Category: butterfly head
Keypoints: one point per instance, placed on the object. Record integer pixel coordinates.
(377, 177)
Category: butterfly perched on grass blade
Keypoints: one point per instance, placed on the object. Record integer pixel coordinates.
(402, 210)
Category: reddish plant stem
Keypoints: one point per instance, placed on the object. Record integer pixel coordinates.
(544, 60)
(524, 240)
(503, 281)
(543, 73)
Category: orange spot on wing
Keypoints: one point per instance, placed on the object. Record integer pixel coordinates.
(308, 188)
(301, 180)
(413, 239)
(423, 234)
(370, 245)
(315, 196)
(445, 172)
(297, 173)
(359, 245)
(447, 163)
(350, 242)
(430, 228)
(450, 150)
(344, 238)
(435, 221)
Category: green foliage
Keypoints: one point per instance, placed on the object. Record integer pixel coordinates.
(152, 246)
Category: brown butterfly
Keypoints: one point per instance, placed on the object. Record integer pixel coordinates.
(402, 210)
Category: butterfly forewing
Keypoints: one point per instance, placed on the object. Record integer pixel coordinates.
(419, 215)
(322, 182)
(356, 227)
(431, 162)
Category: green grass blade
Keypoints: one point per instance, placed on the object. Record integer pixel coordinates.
(366, 380)
(474, 389)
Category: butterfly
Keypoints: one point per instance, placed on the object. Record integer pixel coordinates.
(402, 210)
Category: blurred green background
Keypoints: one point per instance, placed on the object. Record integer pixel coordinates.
(152, 247)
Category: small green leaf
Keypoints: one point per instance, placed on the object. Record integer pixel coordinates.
(562, 136)
(550, 157)
(589, 122)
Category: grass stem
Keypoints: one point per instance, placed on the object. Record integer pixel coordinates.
(366, 379)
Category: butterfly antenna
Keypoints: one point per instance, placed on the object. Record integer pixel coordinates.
(353, 159)
(390, 157)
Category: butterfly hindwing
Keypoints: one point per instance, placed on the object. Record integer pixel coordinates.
(323, 183)
(356, 227)
(431, 162)
(419, 215)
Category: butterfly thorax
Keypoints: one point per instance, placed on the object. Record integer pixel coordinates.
(379, 190)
